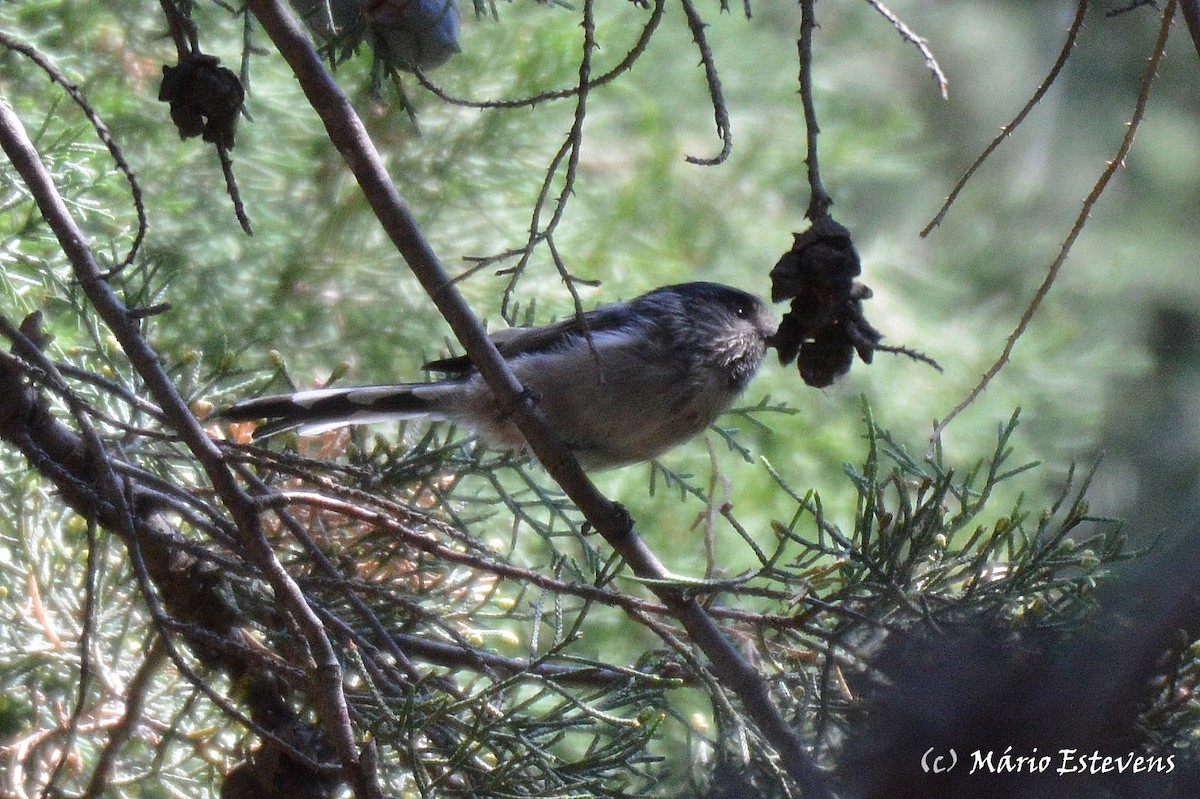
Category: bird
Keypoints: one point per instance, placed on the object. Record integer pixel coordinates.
(620, 384)
(406, 34)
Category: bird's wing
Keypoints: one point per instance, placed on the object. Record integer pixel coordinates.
(514, 341)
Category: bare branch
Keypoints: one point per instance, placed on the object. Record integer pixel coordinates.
(102, 131)
(235, 196)
(570, 150)
(819, 200)
(919, 42)
(1063, 54)
(631, 57)
(720, 111)
(1081, 220)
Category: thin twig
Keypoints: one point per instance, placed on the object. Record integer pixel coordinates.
(104, 134)
(1081, 220)
(1063, 55)
(397, 519)
(570, 150)
(235, 196)
(1131, 6)
(919, 42)
(385, 522)
(411, 674)
(720, 110)
(182, 29)
(908, 352)
(626, 63)
(187, 44)
(819, 200)
(583, 674)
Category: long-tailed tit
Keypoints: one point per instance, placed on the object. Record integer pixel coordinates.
(620, 384)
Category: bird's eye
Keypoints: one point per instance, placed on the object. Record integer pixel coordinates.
(743, 311)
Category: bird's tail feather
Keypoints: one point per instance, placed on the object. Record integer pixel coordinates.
(315, 411)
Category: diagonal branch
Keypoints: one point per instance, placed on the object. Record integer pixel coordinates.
(170, 578)
(1063, 55)
(916, 41)
(348, 134)
(327, 690)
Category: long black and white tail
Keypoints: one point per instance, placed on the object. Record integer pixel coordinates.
(320, 409)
